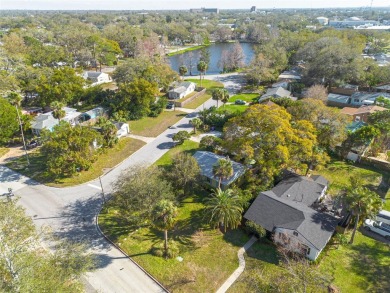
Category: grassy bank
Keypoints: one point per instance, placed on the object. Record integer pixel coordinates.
(109, 159)
(182, 51)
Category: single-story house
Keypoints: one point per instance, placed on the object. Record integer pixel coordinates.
(287, 212)
(290, 74)
(365, 98)
(47, 121)
(278, 92)
(206, 161)
(284, 84)
(92, 114)
(338, 100)
(355, 125)
(180, 90)
(362, 113)
(383, 88)
(96, 77)
(123, 129)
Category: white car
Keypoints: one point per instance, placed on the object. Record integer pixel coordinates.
(378, 227)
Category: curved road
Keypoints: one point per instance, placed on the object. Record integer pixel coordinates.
(71, 211)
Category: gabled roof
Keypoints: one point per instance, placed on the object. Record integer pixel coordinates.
(300, 189)
(338, 98)
(278, 92)
(206, 161)
(93, 74)
(272, 212)
(362, 110)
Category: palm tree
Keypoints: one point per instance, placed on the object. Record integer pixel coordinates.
(164, 218)
(223, 170)
(196, 122)
(15, 100)
(58, 113)
(224, 209)
(216, 95)
(183, 71)
(202, 67)
(362, 202)
(224, 96)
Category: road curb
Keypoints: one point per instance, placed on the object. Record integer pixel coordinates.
(124, 253)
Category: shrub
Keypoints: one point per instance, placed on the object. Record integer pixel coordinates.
(172, 252)
(253, 228)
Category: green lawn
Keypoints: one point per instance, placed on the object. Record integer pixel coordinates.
(181, 51)
(245, 97)
(153, 126)
(209, 85)
(3, 151)
(188, 146)
(109, 159)
(233, 108)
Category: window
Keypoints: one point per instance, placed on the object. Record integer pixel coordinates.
(356, 100)
(304, 249)
(295, 233)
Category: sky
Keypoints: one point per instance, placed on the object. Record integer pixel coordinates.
(180, 4)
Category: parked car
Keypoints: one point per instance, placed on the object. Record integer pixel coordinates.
(33, 144)
(384, 217)
(169, 106)
(239, 102)
(378, 227)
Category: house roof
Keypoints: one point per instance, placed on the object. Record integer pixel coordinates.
(278, 92)
(353, 126)
(206, 161)
(338, 98)
(44, 121)
(93, 74)
(291, 74)
(383, 87)
(371, 97)
(362, 110)
(300, 189)
(272, 212)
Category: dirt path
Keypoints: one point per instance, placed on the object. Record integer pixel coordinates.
(13, 153)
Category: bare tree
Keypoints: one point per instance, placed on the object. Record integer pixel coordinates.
(317, 92)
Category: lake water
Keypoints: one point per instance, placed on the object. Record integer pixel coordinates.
(215, 55)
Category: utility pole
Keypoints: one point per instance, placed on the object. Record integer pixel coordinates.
(21, 130)
(101, 186)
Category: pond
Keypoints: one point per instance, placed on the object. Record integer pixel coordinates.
(215, 55)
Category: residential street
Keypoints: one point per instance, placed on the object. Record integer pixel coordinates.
(70, 212)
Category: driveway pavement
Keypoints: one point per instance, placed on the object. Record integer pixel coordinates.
(71, 211)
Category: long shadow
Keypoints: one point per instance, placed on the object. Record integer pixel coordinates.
(264, 250)
(370, 261)
(166, 145)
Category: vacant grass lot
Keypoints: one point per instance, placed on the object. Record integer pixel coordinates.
(153, 126)
(245, 97)
(188, 146)
(209, 85)
(233, 108)
(109, 159)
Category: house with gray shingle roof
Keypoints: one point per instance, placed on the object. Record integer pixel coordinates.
(287, 212)
(206, 161)
(96, 77)
(180, 90)
(277, 92)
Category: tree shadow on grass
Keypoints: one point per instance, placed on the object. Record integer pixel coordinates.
(185, 229)
(264, 250)
(373, 263)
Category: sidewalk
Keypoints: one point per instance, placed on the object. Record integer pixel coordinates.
(241, 266)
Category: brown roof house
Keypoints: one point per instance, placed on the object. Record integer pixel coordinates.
(362, 113)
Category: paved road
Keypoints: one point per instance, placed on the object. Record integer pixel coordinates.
(71, 211)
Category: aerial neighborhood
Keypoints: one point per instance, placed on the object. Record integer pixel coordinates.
(212, 149)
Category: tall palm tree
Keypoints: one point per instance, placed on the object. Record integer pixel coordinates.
(223, 170)
(216, 95)
(362, 202)
(196, 122)
(183, 71)
(58, 112)
(202, 67)
(164, 218)
(224, 209)
(15, 100)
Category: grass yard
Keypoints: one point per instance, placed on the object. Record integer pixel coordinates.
(209, 85)
(109, 159)
(3, 151)
(245, 97)
(209, 257)
(188, 146)
(198, 101)
(153, 126)
(233, 108)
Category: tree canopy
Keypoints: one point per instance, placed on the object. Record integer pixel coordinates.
(8, 121)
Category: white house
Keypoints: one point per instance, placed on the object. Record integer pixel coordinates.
(123, 129)
(366, 99)
(287, 212)
(181, 90)
(96, 77)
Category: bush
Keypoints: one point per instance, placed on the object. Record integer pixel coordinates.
(252, 228)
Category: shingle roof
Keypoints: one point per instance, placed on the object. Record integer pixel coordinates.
(206, 161)
(277, 91)
(272, 212)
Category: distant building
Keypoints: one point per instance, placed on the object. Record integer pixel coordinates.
(352, 22)
(96, 77)
(362, 113)
(204, 10)
(323, 20)
(253, 9)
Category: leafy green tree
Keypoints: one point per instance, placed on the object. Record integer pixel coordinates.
(164, 217)
(183, 71)
(58, 112)
(224, 209)
(26, 266)
(210, 142)
(252, 136)
(8, 121)
(70, 149)
(382, 101)
(205, 55)
(184, 172)
(196, 123)
(202, 67)
(138, 190)
(363, 203)
(181, 136)
(223, 169)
